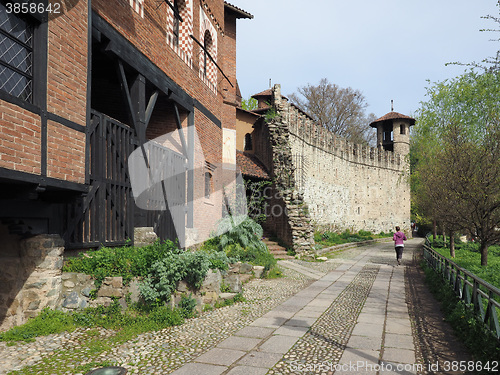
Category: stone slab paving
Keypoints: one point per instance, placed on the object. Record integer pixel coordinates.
(353, 320)
(325, 318)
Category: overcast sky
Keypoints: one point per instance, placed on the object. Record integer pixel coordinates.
(387, 49)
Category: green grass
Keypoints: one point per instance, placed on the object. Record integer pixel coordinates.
(138, 319)
(467, 256)
(482, 345)
(327, 239)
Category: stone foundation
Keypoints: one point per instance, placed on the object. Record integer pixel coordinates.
(78, 288)
(30, 277)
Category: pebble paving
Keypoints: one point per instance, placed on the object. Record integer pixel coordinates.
(158, 352)
(322, 346)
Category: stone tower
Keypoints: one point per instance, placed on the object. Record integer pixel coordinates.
(393, 132)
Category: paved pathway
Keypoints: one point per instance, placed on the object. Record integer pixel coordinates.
(353, 319)
(348, 315)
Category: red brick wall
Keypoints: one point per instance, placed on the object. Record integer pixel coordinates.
(67, 64)
(20, 139)
(65, 153)
(20, 129)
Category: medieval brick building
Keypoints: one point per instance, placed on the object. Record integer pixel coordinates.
(85, 83)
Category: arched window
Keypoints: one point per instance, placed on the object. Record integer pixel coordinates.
(248, 142)
(176, 21)
(208, 184)
(207, 43)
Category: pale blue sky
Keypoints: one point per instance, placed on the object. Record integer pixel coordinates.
(387, 49)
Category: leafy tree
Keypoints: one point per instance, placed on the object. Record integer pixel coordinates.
(340, 110)
(456, 155)
(249, 104)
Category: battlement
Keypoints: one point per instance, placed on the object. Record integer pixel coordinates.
(303, 127)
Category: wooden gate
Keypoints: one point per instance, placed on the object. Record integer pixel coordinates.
(105, 217)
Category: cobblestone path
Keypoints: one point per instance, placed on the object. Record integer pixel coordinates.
(158, 352)
(322, 347)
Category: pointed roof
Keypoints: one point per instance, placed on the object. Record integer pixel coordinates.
(393, 116)
(250, 165)
(240, 13)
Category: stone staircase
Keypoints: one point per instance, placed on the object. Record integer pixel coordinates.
(279, 252)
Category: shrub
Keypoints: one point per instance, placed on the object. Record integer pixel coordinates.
(187, 306)
(258, 256)
(164, 274)
(126, 261)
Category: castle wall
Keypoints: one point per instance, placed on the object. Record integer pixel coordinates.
(345, 185)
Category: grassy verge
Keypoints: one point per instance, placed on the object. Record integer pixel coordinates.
(481, 343)
(467, 256)
(327, 239)
(134, 320)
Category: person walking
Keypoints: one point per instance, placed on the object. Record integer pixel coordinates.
(399, 238)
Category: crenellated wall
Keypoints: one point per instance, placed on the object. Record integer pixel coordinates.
(343, 185)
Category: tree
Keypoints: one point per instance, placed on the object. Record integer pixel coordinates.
(249, 104)
(456, 148)
(492, 63)
(340, 110)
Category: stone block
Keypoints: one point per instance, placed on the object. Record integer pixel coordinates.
(258, 271)
(182, 286)
(101, 301)
(234, 283)
(246, 268)
(108, 291)
(72, 301)
(226, 296)
(212, 282)
(132, 289)
(144, 236)
(210, 298)
(115, 282)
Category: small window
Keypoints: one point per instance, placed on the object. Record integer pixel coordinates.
(248, 142)
(16, 55)
(208, 184)
(402, 129)
(176, 22)
(207, 43)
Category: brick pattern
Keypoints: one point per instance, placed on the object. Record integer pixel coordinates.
(20, 140)
(65, 153)
(67, 64)
(138, 6)
(207, 30)
(184, 47)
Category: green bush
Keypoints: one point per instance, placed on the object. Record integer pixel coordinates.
(257, 256)
(187, 306)
(247, 234)
(164, 274)
(126, 261)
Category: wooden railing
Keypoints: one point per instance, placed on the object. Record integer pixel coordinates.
(478, 295)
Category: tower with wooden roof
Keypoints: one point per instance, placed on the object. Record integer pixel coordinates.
(393, 132)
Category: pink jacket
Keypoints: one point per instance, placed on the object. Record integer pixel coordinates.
(398, 238)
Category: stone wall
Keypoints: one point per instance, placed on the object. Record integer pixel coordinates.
(78, 288)
(31, 276)
(338, 184)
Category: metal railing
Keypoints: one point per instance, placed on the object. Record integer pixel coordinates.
(477, 294)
